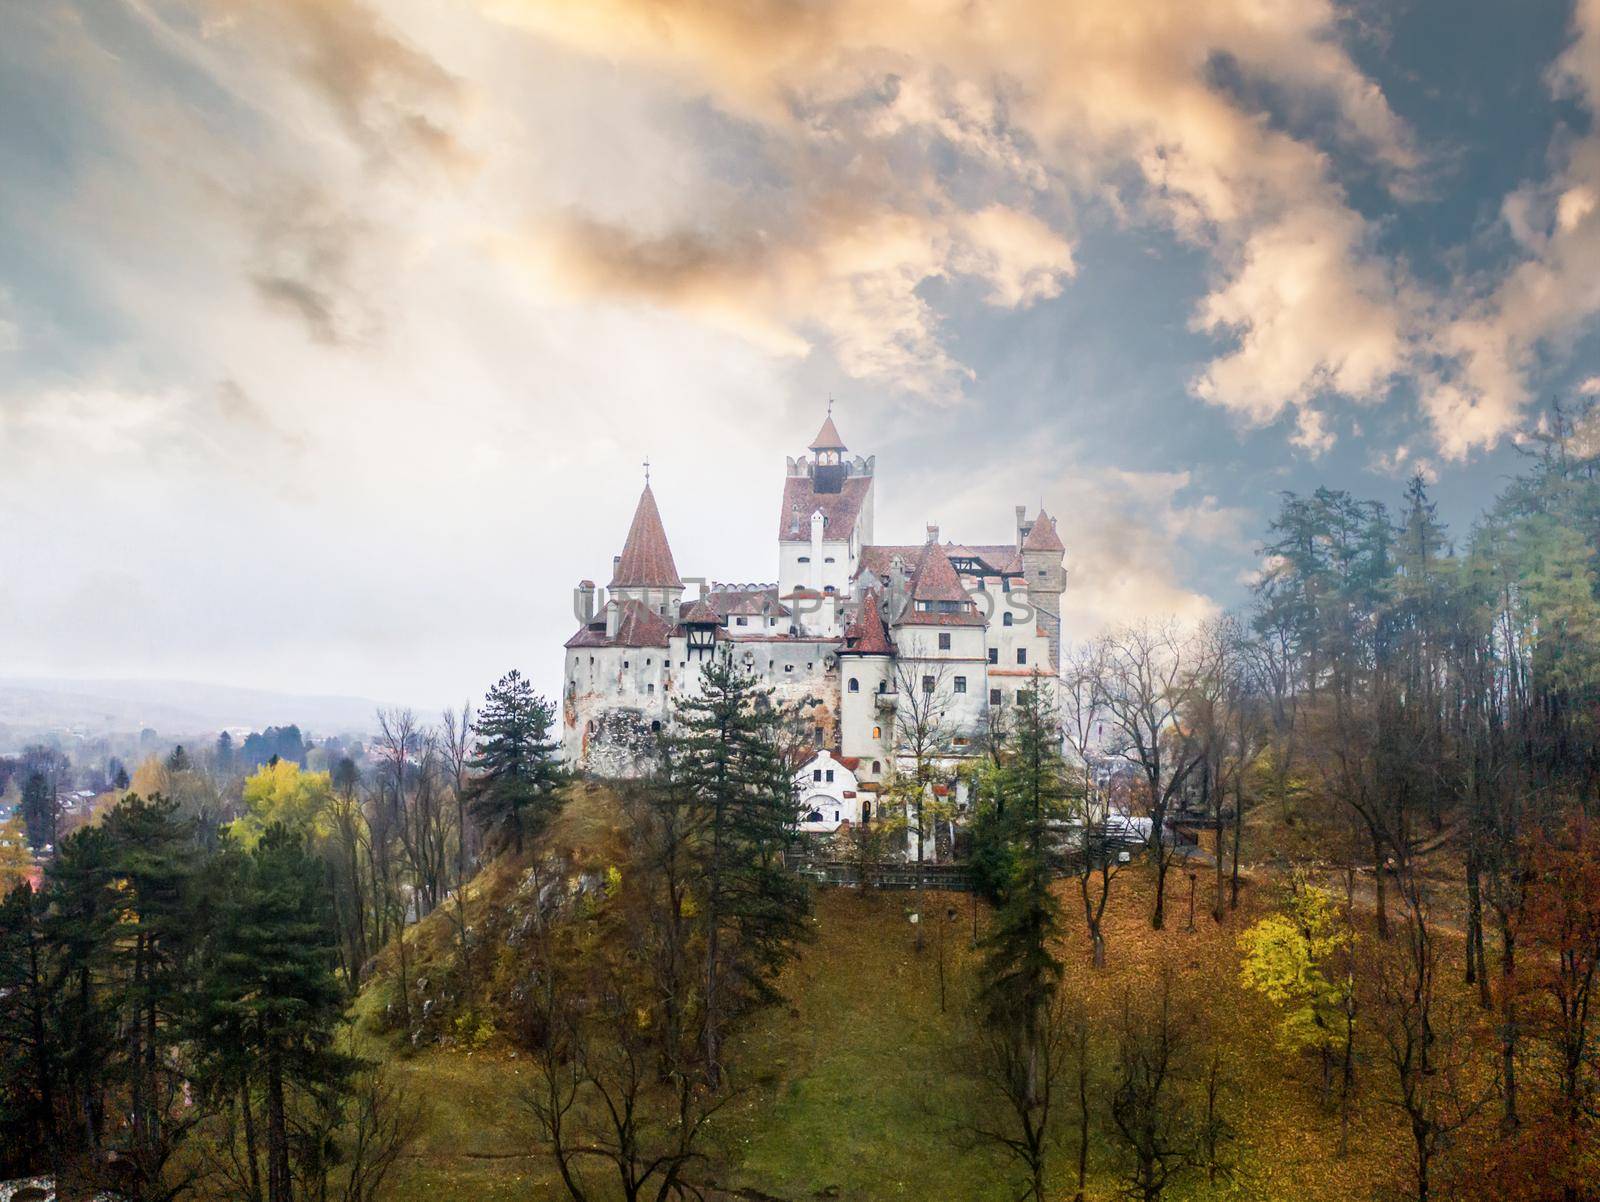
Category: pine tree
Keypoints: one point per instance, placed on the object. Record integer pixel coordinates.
(514, 794)
(39, 809)
(79, 924)
(153, 859)
(270, 1000)
(28, 1060)
(1021, 971)
(729, 776)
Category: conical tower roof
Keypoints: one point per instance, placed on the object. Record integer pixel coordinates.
(866, 635)
(935, 578)
(1042, 536)
(646, 558)
(827, 438)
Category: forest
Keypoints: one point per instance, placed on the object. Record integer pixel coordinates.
(1365, 918)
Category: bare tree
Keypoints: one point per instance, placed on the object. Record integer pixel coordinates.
(1143, 675)
(922, 734)
(1082, 722)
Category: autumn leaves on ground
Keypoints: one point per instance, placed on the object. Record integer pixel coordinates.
(856, 1085)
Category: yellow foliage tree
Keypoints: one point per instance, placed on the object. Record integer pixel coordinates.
(283, 792)
(1288, 958)
(16, 861)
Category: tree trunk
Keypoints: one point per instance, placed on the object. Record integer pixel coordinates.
(279, 1187)
(1508, 1026)
(1380, 886)
(252, 1161)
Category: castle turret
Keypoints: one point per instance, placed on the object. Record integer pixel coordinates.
(645, 570)
(825, 521)
(1044, 564)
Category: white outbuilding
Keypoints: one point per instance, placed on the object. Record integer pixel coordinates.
(827, 792)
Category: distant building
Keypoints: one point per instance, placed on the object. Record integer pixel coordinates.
(847, 625)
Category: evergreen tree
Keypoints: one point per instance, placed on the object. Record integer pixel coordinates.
(28, 1061)
(270, 998)
(153, 861)
(729, 776)
(1021, 971)
(39, 809)
(1023, 1029)
(514, 794)
(78, 926)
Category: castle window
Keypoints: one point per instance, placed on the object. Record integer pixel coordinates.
(816, 774)
(829, 559)
(1005, 618)
(961, 684)
(1022, 655)
(788, 667)
(994, 655)
(648, 662)
(883, 686)
(960, 740)
(808, 665)
(927, 684)
(649, 688)
(877, 732)
(805, 559)
(828, 588)
(656, 727)
(745, 622)
(944, 642)
(994, 696)
(855, 685)
(828, 775)
(877, 766)
(624, 663)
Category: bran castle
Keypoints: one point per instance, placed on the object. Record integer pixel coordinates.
(851, 626)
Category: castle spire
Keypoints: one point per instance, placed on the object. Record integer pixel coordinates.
(646, 560)
(827, 438)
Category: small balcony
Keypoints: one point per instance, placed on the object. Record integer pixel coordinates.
(885, 701)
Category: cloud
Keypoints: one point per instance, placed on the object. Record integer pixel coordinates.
(1486, 347)
(894, 116)
(850, 279)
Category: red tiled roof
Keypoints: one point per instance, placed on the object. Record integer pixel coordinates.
(646, 559)
(747, 601)
(698, 611)
(827, 438)
(877, 559)
(639, 626)
(1043, 536)
(866, 635)
(922, 617)
(839, 509)
(935, 578)
(851, 762)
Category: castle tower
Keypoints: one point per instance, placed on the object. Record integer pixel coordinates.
(645, 571)
(866, 687)
(1043, 562)
(825, 521)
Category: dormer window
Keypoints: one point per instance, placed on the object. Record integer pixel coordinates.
(805, 559)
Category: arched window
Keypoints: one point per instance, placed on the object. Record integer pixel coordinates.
(855, 685)
(877, 766)
(1005, 619)
(877, 732)
(656, 727)
(883, 686)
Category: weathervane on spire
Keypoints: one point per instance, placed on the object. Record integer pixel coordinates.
(647, 471)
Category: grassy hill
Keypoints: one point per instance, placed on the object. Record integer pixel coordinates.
(852, 1089)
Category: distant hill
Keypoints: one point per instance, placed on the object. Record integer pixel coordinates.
(33, 706)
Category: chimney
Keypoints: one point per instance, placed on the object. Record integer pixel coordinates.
(1022, 524)
(933, 532)
(585, 601)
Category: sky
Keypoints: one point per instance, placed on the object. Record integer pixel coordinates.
(333, 334)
